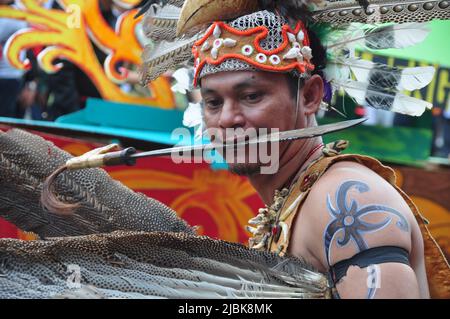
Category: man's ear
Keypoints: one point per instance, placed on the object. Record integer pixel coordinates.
(312, 94)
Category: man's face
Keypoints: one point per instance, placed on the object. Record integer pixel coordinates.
(248, 100)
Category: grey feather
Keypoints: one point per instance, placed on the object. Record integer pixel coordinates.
(106, 205)
(123, 264)
(118, 265)
(160, 23)
(164, 56)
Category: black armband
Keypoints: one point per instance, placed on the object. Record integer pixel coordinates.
(372, 256)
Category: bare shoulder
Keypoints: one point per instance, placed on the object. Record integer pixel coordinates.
(351, 209)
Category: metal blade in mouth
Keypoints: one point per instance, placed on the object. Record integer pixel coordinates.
(308, 132)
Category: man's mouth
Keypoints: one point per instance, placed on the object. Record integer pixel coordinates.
(248, 135)
(237, 140)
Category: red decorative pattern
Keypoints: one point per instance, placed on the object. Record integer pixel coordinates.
(244, 36)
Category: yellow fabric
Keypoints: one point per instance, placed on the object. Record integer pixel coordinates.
(437, 267)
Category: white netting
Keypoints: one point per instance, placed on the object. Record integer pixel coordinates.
(274, 39)
(263, 18)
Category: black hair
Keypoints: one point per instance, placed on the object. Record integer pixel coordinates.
(294, 84)
(319, 53)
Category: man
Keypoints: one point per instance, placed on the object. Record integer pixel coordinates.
(249, 99)
(343, 214)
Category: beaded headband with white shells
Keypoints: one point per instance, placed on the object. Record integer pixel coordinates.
(278, 48)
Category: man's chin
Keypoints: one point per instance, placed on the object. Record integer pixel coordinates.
(245, 169)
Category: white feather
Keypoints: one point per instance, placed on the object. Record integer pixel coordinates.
(411, 78)
(405, 35)
(416, 78)
(183, 80)
(402, 104)
(193, 117)
(337, 72)
(410, 106)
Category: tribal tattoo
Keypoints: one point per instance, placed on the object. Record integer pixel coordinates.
(346, 219)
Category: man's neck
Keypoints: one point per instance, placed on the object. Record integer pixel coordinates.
(293, 161)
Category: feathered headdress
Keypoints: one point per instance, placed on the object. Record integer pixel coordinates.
(283, 35)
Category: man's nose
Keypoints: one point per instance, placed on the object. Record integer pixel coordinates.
(231, 115)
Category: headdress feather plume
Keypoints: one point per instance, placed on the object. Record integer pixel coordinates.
(170, 50)
(160, 22)
(369, 95)
(384, 36)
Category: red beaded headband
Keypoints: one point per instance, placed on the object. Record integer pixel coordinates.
(223, 42)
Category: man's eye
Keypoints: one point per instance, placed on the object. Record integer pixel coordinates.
(213, 104)
(253, 97)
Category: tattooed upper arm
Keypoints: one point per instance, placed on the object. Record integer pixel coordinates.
(349, 210)
(352, 221)
(355, 210)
